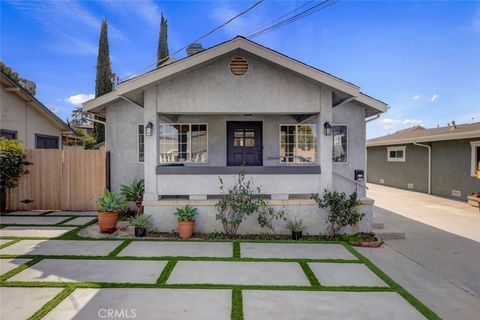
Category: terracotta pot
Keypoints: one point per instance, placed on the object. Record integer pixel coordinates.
(185, 229)
(107, 221)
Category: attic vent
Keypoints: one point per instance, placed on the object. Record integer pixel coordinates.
(238, 66)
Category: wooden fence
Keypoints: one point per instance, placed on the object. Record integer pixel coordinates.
(60, 180)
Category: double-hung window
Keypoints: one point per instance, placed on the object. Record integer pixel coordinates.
(141, 143)
(186, 142)
(396, 154)
(298, 143)
(339, 135)
(475, 145)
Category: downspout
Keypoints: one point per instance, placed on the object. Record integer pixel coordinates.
(429, 164)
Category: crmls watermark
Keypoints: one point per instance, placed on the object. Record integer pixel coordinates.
(108, 313)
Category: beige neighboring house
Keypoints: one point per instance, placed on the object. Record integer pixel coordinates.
(26, 119)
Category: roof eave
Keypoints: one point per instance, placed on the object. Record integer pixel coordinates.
(440, 137)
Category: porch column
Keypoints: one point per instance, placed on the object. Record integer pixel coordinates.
(151, 145)
(324, 143)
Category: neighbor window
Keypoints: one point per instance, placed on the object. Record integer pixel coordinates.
(396, 154)
(339, 134)
(298, 143)
(183, 143)
(141, 143)
(9, 134)
(46, 142)
(475, 157)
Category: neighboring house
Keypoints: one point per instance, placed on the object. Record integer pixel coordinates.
(237, 106)
(441, 161)
(24, 118)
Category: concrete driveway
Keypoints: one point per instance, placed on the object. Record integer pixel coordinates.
(439, 261)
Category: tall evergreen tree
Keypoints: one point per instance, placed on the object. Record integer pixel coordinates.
(162, 50)
(103, 81)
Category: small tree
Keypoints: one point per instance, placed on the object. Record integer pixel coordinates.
(134, 192)
(342, 211)
(12, 157)
(242, 200)
(162, 49)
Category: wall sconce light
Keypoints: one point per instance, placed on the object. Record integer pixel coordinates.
(149, 129)
(327, 129)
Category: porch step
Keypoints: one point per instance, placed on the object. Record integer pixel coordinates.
(378, 225)
(389, 233)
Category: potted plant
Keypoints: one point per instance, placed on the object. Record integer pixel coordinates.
(186, 221)
(296, 227)
(134, 192)
(142, 223)
(109, 205)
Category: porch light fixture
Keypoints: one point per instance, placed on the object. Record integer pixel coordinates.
(327, 129)
(149, 129)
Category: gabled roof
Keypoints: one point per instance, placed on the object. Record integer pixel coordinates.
(170, 69)
(422, 134)
(22, 93)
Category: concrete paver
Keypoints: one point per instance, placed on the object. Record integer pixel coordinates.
(80, 221)
(22, 303)
(345, 274)
(61, 247)
(30, 220)
(232, 272)
(288, 305)
(34, 232)
(4, 241)
(115, 271)
(7, 265)
(145, 304)
(295, 251)
(73, 213)
(170, 248)
(27, 213)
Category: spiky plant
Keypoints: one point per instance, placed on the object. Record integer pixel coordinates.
(110, 201)
(134, 192)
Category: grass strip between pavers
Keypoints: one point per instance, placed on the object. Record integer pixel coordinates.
(166, 272)
(236, 249)
(19, 269)
(65, 220)
(119, 248)
(417, 304)
(12, 241)
(237, 304)
(53, 303)
(309, 274)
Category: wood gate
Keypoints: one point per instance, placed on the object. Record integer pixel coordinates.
(60, 180)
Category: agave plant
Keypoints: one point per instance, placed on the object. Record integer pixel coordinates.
(186, 213)
(143, 221)
(134, 192)
(110, 201)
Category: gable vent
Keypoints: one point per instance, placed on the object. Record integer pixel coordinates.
(238, 66)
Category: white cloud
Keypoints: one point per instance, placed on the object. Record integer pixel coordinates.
(434, 97)
(416, 97)
(80, 98)
(388, 124)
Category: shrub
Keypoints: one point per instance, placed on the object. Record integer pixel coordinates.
(143, 221)
(186, 213)
(342, 211)
(110, 201)
(242, 200)
(134, 192)
(12, 156)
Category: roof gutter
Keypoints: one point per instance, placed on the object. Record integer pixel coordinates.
(375, 117)
(429, 164)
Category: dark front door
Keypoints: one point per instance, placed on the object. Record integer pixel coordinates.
(244, 143)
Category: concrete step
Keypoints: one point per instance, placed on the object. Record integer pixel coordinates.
(389, 233)
(378, 225)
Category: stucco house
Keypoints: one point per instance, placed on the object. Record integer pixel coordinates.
(237, 106)
(24, 118)
(441, 161)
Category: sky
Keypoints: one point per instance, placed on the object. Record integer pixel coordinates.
(420, 57)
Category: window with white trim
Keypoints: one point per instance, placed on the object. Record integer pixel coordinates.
(339, 134)
(475, 145)
(141, 143)
(185, 142)
(396, 154)
(298, 143)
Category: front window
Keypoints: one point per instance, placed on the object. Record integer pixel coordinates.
(181, 143)
(396, 154)
(339, 134)
(298, 143)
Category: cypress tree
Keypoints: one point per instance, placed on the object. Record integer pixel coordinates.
(162, 50)
(103, 81)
